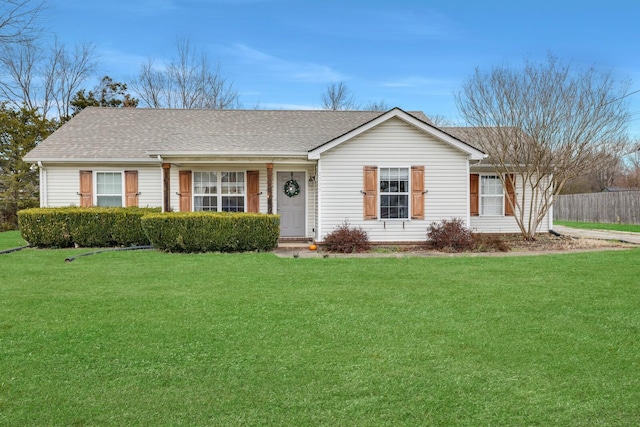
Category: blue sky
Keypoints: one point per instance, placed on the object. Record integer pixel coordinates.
(410, 53)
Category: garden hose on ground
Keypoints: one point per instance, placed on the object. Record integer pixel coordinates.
(130, 248)
(8, 251)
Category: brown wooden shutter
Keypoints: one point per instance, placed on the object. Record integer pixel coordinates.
(417, 192)
(511, 194)
(86, 189)
(253, 191)
(131, 188)
(474, 191)
(185, 191)
(370, 196)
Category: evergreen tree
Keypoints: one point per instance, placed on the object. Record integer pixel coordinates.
(20, 131)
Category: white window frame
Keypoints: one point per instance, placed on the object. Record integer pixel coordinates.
(219, 195)
(483, 196)
(95, 187)
(399, 193)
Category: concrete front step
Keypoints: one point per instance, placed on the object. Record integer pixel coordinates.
(294, 245)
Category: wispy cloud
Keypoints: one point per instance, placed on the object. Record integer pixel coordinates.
(416, 82)
(287, 69)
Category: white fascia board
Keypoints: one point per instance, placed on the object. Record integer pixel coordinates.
(473, 153)
(91, 160)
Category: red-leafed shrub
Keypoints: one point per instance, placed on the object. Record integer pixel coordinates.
(347, 239)
(450, 235)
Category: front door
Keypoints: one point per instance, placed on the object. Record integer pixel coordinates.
(291, 192)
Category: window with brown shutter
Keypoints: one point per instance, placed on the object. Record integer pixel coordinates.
(185, 190)
(370, 196)
(474, 190)
(510, 181)
(86, 189)
(131, 188)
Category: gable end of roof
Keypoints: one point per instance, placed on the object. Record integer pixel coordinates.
(474, 153)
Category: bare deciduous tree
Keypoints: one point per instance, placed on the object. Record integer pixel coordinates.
(338, 97)
(188, 81)
(544, 120)
(18, 20)
(19, 63)
(72, 70)
(43, 78)
(376, 106)
(439, 120)
(629, 176)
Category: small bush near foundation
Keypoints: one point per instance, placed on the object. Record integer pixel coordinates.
(346, 239)
(450, 235)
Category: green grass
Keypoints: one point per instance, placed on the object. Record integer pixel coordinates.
(145, 338)
(600, 226)
(11, 239)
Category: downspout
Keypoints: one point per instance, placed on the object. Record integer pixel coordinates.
(468, 194)
(44, 202)
(315, 198)
(319, 197)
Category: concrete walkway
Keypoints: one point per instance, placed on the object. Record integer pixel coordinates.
(622, 236)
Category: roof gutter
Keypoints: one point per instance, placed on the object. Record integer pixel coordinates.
(227, 153)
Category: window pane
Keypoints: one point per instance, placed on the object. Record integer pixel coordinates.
(232, 183)
(492, 205)
(394, 207)
(109, 201)
(232, 204)
(205, 183)
(491, 185)
(109, 183)
(394, 180)
(205, 203)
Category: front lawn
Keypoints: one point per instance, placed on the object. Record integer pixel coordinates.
(147, 338)
(11, 239)
(600, 226)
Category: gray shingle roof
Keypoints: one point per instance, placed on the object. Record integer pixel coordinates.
(135, 133)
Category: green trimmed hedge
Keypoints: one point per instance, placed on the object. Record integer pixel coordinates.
(86, 227)
(212, 231)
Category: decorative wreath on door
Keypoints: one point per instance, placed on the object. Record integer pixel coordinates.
(291, 188)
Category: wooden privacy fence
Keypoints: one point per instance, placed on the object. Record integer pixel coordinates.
(621, 207)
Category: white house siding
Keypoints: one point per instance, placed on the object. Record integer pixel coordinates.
(507, 224)
(61, 184)
(392, 144)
